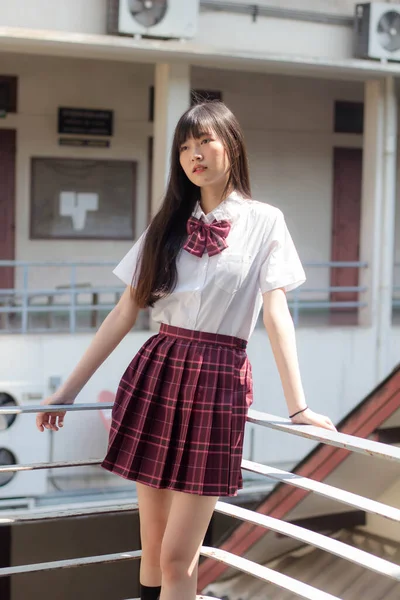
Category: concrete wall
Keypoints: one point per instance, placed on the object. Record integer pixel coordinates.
(265, 35)
(337, 367)
(215, 28)
(46, 83)
(334, 7)
(288, 124)
(76, 538)
(288, 131)
(80, 16)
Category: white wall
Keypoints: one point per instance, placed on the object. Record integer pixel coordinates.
(275, 36)
(80, 16)
(395, 346)
(46, 83)
(337, 369)
(287, 123)
(270, 35)
(334, 7)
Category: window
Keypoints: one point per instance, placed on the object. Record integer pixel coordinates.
(196, 96)
(349, 117)
(8, 94)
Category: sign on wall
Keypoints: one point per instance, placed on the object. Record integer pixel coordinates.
(85, 121)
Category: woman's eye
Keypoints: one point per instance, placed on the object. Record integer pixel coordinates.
(206, 140)
(183, 148)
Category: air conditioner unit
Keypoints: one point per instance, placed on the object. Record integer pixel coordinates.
(21, 442)
(153, 18)
(377, 31)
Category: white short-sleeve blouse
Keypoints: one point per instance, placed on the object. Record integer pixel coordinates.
(223, 293)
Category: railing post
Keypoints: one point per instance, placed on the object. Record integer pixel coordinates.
(25, 305)
(296, 307)
(72, 308)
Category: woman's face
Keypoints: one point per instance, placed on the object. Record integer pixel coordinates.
(205, 161)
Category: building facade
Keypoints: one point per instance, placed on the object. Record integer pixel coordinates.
(322, 133)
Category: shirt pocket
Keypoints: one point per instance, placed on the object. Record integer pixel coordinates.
(231, 271)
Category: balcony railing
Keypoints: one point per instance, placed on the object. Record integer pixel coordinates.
(396, 286)
(76, 305)
(347, 552)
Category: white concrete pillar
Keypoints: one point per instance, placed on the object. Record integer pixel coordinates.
(172, 98)
(378, 214)
(370, 234)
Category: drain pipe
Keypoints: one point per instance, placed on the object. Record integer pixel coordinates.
(387, 229)
(257, 10)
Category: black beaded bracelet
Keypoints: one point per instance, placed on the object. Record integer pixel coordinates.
(298, 412)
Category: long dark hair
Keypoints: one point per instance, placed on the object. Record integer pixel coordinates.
(156, 271)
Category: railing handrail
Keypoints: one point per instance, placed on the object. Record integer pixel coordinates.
(57, 291)
(86, 263)
(17, 308)
(332, 438)
(318, 540)
(65, 291)
(324, 489)
(57, 263)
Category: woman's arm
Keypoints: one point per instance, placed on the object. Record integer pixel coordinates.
(112, 331)
(279, 325)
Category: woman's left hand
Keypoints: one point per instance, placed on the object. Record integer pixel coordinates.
(308, 417)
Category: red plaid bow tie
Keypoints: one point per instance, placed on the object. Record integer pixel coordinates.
(204, 236)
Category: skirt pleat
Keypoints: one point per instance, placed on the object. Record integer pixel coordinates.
(180, 411)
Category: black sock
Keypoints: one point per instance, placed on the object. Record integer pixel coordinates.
(149, 593)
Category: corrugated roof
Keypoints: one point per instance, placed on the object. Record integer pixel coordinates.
(323, 571)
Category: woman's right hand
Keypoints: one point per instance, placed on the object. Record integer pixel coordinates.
(55, 419)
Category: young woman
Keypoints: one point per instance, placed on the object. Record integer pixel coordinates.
(208, 261)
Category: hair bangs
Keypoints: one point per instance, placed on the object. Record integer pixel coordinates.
(196, 122)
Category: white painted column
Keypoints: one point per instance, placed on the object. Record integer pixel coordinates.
(172, 98)
(370, 234)
(378, 214)
(388, 209)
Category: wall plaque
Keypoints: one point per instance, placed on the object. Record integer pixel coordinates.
(85, 121)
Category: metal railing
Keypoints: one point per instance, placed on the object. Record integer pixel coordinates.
(331, 545)
(20, 305)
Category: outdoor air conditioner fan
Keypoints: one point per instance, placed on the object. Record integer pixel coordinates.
(153, 18)
(377, 31)
(148, 12)
(20, 442)
(7, 458)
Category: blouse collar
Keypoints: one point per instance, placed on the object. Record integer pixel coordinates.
(228, 209)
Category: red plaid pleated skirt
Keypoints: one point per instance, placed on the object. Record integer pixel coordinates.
(180, 411)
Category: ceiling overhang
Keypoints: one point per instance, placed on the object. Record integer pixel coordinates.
(127, 49)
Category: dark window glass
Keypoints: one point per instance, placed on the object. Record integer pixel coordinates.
(349, 117)
(8, 94)
(195, 97)
(202, 95)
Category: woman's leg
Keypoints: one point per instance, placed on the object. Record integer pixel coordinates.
(154, 506)
(188, 520)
